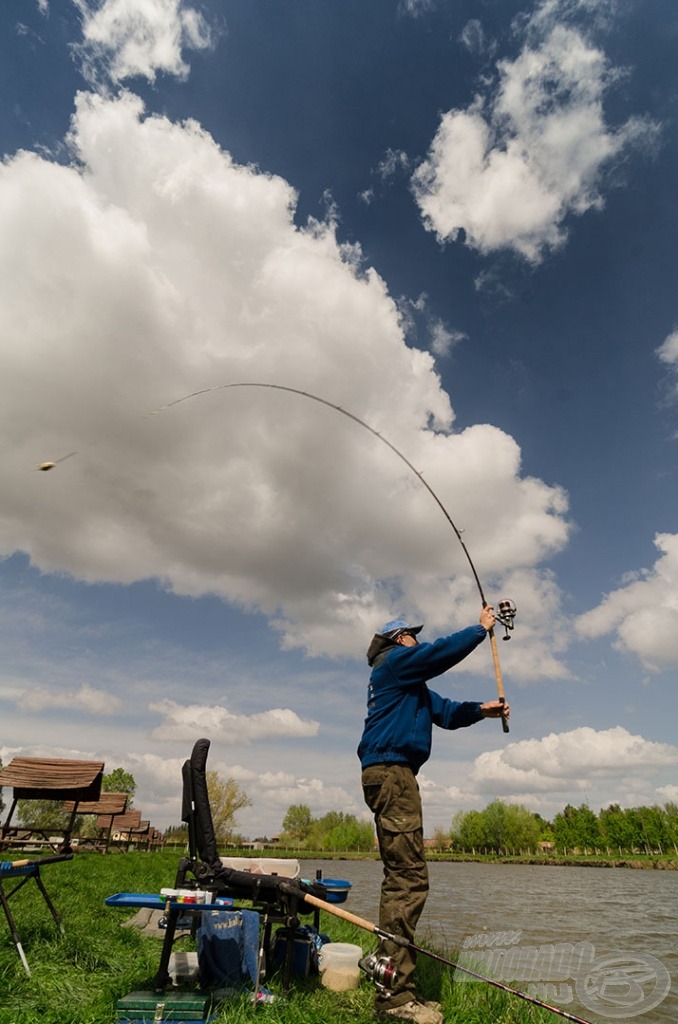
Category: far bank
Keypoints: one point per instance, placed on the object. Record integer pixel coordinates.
(638, 861)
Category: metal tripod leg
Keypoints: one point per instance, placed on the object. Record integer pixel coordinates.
(48, 901)
(13, 929)
(162, 978)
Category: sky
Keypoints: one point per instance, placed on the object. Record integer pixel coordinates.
(454, 220)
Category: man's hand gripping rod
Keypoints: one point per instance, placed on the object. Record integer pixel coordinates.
(506, 613)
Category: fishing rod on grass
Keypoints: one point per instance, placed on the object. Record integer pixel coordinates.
(381, 970)
(506, 609)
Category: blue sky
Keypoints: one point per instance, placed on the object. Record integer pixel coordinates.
(455, 220)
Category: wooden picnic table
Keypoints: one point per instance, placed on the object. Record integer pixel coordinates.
(43, 778)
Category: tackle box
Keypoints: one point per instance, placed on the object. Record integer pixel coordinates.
(150, 1007)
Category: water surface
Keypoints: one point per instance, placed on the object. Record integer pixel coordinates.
(629, 917)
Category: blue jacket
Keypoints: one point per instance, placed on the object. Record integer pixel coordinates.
(401, 710)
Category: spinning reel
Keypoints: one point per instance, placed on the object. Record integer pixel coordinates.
(381, 970)
(506, 613)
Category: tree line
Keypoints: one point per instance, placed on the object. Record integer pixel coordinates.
(648, 830)
(511, 828)
(505, 828)
(332, 831)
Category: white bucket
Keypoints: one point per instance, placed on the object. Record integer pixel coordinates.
(339, 965)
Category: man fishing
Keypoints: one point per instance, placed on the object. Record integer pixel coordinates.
(396, 742)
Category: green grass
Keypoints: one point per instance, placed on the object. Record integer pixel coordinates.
(77, 978)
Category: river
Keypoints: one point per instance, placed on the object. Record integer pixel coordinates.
(619, 925)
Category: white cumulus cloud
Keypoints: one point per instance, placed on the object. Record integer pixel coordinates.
(129, 38)
(567, 761)
(87, 698)
(416, 8)
(154, 266)
(668, 350)
(443, 340)
(528, 151)
(188, 722)
(668, 354)
(631, 611)
(275, 791)
(473, 36)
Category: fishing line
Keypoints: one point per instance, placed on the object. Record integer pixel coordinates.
(362, 423)
(506, 610)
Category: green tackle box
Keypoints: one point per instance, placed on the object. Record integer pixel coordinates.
(149, 1007)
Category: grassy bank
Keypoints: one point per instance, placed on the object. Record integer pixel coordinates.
(77, 978)
(640, 861)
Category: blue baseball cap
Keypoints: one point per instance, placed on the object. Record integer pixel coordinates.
(395, 627)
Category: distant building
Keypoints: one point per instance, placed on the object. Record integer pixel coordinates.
(437, 844)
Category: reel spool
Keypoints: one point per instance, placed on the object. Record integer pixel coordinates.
(506, 613)
(379, 969)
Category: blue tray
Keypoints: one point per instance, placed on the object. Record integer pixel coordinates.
(155, 902)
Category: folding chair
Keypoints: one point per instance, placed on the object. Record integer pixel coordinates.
(25, 870)
(279, 899)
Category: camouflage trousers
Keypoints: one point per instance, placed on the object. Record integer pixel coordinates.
(392, 794)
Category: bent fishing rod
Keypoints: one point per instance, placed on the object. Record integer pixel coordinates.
(400, 940)
(506, 609)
